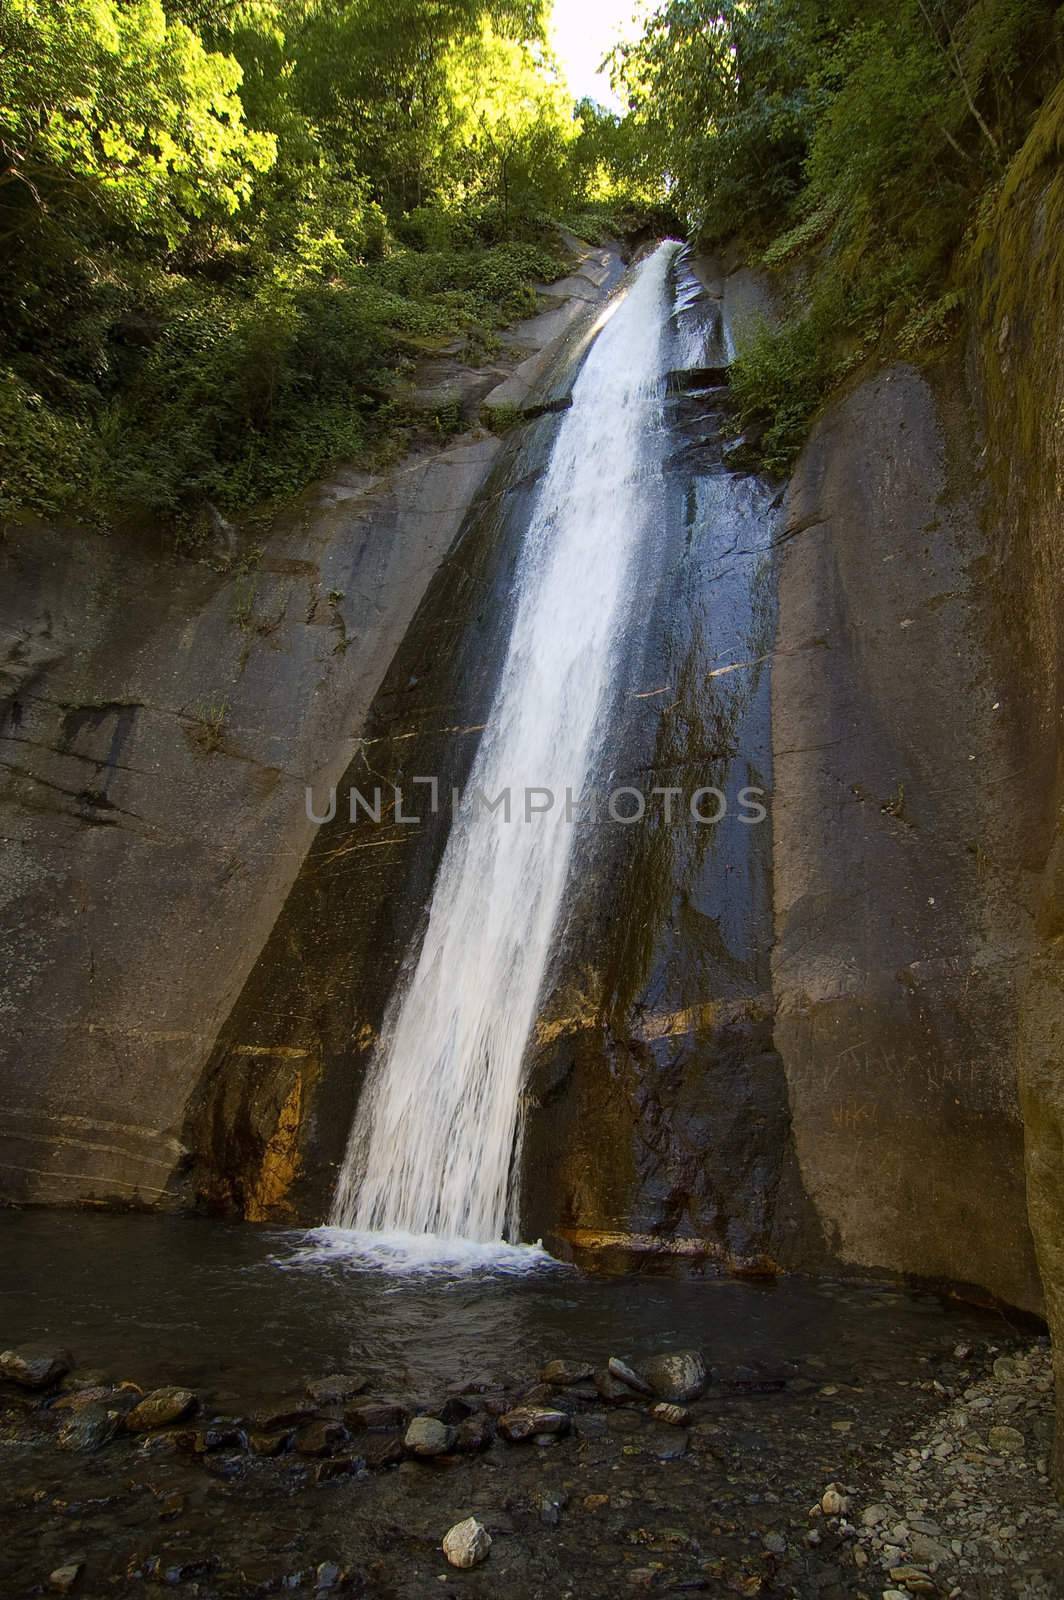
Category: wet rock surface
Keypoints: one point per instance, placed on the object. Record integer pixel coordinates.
(34, 1366)
(677, 1376)
(160, 1408)
(834, 1480)
(167, 714)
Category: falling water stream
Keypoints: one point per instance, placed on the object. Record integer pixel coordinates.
(435, 1141)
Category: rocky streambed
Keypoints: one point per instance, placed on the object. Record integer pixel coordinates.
(867, 1442)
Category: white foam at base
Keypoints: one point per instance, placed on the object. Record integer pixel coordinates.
(427, 1254)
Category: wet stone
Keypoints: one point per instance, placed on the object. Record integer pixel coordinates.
(611, 1389)
(269, 1444)
(382, 1450)
(674, 1416)
(338, 1467)
(336, 1388)
(627, 1375)
(564, 1373)
(221, 1435)
(287, 1416)
(79, 1398)
(526, 1422)
(538, 1394)
(475, 1433)
(676, 1375)
(375, 1414)
(582, 1393)
(322, 1438)
(90, 1427)
(160, 1409)
(35, 1366)
(496, 1405)
(454, 1410)
(428, 1436)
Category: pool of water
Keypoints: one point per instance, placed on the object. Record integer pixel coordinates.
(250, 1314)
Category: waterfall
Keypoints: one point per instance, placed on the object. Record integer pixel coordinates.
(434, 1141)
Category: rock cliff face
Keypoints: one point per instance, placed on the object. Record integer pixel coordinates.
(160, 721)
(1020, 363)
(785, 1045)
(901, 925)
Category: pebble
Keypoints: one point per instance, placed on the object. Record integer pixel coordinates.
(833, 1502)
(63, 1579)
(467, 1543)
(961, 1510)
(675, 1416)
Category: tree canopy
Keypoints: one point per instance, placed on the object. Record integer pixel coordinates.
(228, 226)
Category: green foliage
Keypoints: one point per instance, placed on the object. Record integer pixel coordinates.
(859, 135)
(114, 109)
(228, 227)
(783, 374)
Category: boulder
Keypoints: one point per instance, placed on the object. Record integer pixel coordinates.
(677, 1375)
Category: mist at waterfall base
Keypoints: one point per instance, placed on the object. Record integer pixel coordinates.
(427, 1179)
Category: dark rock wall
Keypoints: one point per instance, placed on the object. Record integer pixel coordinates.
(901, 925)
(1019, 360)
(309, 1015)
(656, 1118)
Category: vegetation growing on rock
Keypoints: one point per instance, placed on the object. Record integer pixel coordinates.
(863, 139)
(227, 226)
